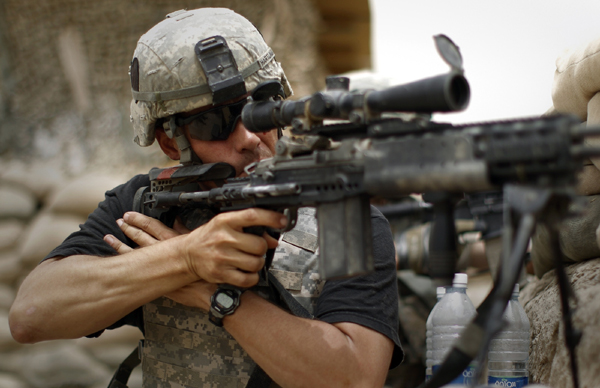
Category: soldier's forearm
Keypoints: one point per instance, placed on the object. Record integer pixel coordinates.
(79, 295)
(298, 352)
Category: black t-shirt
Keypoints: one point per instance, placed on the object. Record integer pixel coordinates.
(370, 300)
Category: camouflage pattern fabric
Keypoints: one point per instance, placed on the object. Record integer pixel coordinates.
(296, 263)
(164, 61)
(184, 349)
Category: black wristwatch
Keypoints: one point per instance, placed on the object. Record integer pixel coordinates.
(224, 302)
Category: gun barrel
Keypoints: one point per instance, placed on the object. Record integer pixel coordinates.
(442, 93)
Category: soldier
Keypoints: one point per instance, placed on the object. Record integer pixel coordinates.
(196, 294)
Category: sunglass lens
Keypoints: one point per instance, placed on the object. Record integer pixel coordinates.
(203, 127)
(216, 124)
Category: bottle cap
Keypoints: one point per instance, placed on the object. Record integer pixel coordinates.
(460, 280)
(516, 289)
(440, 291)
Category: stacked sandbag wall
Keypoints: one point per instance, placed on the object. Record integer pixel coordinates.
(549, 361)
(39, 207)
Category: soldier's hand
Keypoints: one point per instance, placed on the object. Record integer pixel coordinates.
(220, 251)
(143, 230)
(196, 294)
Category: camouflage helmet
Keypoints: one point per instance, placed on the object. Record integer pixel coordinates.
(168, 75)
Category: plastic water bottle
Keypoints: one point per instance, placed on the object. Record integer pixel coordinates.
(508, 356)
(453, 313)
(440, 291)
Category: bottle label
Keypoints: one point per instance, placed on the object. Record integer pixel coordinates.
(508, 382)
(465, 378)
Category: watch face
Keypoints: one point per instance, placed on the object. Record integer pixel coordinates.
(224, 300)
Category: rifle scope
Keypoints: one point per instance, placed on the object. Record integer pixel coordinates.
(443, 93)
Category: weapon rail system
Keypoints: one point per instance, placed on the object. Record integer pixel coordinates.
(347, 151)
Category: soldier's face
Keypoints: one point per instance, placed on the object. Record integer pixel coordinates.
(241, 148)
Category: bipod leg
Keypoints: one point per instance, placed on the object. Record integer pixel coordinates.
(572, 335)
(474, 340)
(489, 314)
(522, 205)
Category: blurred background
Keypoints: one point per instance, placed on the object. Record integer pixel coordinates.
(509, 47)
(65, 135)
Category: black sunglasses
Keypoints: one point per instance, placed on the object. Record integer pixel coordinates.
(213, 124)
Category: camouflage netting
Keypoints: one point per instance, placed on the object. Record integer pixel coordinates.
(64, 88)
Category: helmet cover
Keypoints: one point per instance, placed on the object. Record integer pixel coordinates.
(167, 77)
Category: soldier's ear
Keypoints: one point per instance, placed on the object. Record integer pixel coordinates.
(167, 145)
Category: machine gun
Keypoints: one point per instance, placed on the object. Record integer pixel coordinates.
(349, 152)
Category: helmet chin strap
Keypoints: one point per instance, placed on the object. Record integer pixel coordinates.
(187, 156)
